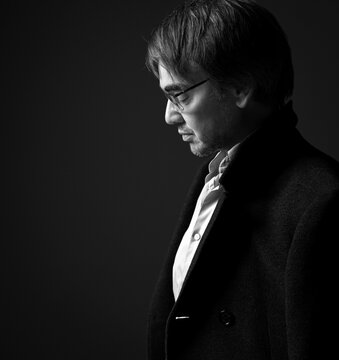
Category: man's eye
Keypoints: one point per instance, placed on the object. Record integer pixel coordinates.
(182, 98)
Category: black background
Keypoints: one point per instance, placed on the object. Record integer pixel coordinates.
(94, 179)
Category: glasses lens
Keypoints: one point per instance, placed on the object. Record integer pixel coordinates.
(175, 102)
(179, 106)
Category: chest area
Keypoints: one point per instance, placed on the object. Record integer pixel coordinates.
(243, 251)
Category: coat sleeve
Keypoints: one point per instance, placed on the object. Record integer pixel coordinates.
(312, 300)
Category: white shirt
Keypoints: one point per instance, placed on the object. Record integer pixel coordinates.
(205, 206)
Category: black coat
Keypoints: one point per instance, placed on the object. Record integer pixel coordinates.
(263, 283)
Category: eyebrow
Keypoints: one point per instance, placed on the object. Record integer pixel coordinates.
(176, 87)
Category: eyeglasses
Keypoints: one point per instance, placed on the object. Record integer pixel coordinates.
(174, 98)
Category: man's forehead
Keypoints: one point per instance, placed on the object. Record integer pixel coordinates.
(169, 81)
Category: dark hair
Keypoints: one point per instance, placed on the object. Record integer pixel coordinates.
(237, 42)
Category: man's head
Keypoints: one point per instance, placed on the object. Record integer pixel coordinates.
(240, 49)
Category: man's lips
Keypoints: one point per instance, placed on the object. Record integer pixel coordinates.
(181, 132)
(186, 136)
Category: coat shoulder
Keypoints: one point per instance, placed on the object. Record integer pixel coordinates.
(314, 171)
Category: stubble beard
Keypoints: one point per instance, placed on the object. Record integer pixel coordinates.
(203, 150)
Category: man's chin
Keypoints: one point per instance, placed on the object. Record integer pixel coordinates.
(201, 150)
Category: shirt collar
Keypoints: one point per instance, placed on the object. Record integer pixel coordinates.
(220, 162)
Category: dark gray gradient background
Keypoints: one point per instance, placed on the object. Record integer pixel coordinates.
(94, 178)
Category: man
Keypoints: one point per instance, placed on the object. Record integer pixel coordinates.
(251, 271)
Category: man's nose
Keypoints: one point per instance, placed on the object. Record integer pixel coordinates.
(172, 115)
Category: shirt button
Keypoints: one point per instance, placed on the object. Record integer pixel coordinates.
(196, 236)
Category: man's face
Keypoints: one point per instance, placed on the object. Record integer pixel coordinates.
(208, 122)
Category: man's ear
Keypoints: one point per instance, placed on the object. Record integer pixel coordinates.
(243, 96)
